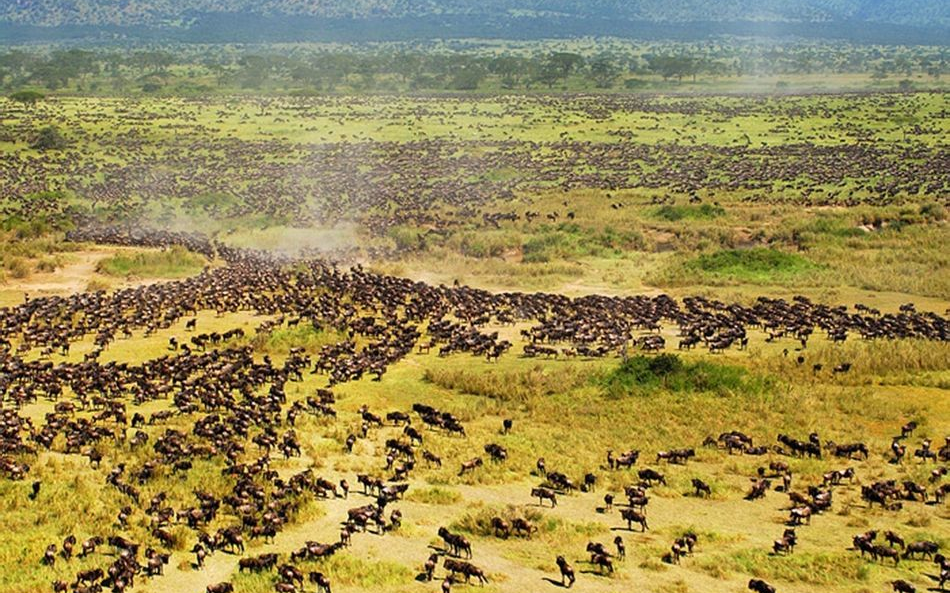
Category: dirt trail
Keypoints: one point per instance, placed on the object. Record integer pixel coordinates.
(73, 276)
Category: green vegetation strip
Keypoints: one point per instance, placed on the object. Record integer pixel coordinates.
(644, 375)
(176, 262)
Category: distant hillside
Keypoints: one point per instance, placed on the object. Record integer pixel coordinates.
(292, 19)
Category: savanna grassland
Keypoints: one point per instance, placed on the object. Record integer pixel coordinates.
(380, 246)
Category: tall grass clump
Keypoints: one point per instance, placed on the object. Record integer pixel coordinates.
(568, 240)
(304, 336)
(810, 568)
(433, 496)
(176, 262)
(484, 244)
(518, 385)
(643, 375)
(879, 358)
(673, 213)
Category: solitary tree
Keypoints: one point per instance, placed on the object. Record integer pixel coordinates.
(27, 97)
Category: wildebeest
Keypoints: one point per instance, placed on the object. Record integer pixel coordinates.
(760, 586)
(543, 494)
(567, 572)
(631, 516)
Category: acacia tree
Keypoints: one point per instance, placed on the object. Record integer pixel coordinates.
(27, 97)
(604, 71)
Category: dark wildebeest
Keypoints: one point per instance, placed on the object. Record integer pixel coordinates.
(567, 572)
(760, 586)
(543, 494)
(631, 516)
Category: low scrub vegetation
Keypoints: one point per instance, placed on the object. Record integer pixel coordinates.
(304, 336)
(643, 375)
(516, 385)
(176, 262)
(758, 264)
(673, 213)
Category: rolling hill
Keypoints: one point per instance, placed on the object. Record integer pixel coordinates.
(894, 21)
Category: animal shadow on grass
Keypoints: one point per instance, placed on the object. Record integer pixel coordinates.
(936, 579)
(554, 582)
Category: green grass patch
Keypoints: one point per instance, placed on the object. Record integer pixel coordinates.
(701, 212)
(830, 227)
(759, 264)
(643, 375)
(176, 262)
(571, 241)
(304, 336)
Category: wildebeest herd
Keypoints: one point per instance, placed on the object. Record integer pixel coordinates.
(382, 184)
(223, 406)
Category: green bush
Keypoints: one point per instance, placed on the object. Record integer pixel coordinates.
(49, 138)
(751, 264)
(641, 375)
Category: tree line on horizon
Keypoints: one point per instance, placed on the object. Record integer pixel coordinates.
(180, 72)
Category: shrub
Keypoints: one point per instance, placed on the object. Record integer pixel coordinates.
(751, 264)
(49, 138)
(17, 267)
(641, 375)
(703, 211)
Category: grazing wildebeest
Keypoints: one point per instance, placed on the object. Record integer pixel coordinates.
(500, 526)
(758, 490)
(470, 465)
(650, 475)
(466, 568)
(631, 516)
(702, 488)
(786, 545)
(429, 568)
(884, 552)
(431, 458)
(760, 586)
(902, 586)
(543, 494)
(220, 588)
(621, 547)
(603, 562)
(925, 548)
(322, 582)
(892, 538)
(457, 543)
(567, 572)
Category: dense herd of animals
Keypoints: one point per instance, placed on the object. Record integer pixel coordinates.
(238, 416)
(326, 178)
